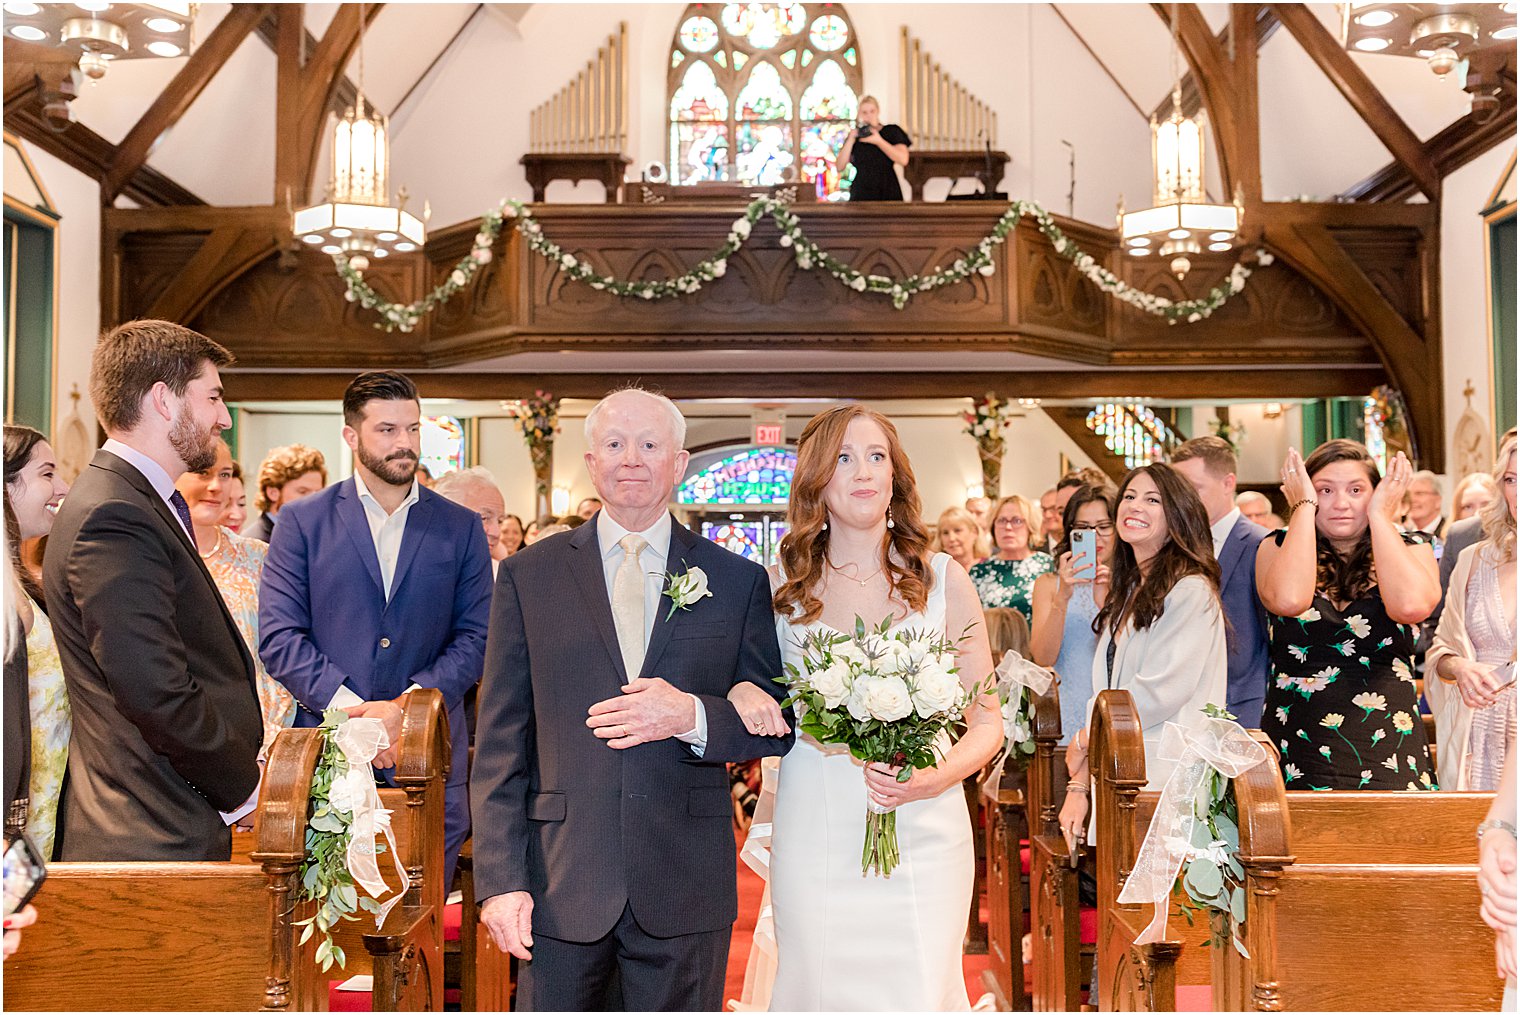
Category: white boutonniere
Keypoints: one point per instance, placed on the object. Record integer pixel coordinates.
(685, 589)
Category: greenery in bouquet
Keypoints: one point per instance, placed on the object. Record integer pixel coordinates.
(538, 417)
(325, 878)
(1018, 722)
(988, 419)
(889, 696)
(1212, 878)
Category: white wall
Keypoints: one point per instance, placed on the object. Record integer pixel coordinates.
(1466, 345)
(77, 198)
(260, 431)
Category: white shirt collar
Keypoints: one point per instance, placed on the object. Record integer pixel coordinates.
(609, 534)
(365, 495)
(151, 470)
(1221, 529)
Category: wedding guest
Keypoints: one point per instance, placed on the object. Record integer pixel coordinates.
(1496, 878)
(1050, 521)
(1255, 507)
(1474, 651)
(961, 537)
(475, 488)
(588, 507)
(167, 724)
(425, 476)
(18, 733)
(1472, 494)
(1161, 628)
(513, 537)
(1209, 464)
(980, 508)
(876, 151)
(235, 503)
(1345, 592)
(285, 476)
(236, 564)
(412, 573)
(1459, 536)
(33, 491)
(1007, 577)
(1007, 631)
(1065, 606)
(1424, 513)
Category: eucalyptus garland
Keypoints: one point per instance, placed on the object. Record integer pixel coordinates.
(808, 255)
(1212, 878)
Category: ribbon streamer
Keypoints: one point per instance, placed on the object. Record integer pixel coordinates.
(1219, 745)
(1014, 674)
(360, 739)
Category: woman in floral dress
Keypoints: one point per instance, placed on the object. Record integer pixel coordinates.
(1007, 577)
(1345, 592)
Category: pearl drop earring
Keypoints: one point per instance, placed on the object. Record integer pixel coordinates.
(890, 523)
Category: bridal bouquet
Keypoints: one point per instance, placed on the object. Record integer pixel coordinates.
(886, 695)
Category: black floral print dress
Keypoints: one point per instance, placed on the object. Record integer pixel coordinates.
(1341, 703)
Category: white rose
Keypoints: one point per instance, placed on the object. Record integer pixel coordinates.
(859, 284)
(935, 691)
(741, 228)
(833, 682)
(458, 277)
(919, 649)
(347, 790)
(886, 698)
(850, 653)
(695, 585)
(481, 255)
(856, 702)
(718, 268)
(567, 261)
(988, 270)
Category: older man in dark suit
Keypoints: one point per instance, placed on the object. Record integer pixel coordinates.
(603, 731)
(166, 716)
(1209, 464)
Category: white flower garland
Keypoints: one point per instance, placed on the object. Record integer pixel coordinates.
(807, 254)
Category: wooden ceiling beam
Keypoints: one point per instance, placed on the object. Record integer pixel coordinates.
(1452, 148)
(1245, 40)
(1213, 70)
(319, 79)
(92, 155)
(210, 56)
(1364, 97)
(1266, 26)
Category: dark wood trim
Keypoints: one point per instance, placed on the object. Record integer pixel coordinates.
(226, 254)
(210, 56)
(1364, 97)
(245, 386)
(1245, 40)
(1266, 26)
(92, 155)
(1452, 148)
(1098, 60)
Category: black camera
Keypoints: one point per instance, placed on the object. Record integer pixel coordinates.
(865, 130)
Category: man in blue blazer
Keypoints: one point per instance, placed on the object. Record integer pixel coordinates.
(1209, 464)
(376, 585)
(604, 725)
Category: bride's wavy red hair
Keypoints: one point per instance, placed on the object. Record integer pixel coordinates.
(805, 546)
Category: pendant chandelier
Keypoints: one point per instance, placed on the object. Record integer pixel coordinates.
(356, 219)
(100, 32)
(1183, 221)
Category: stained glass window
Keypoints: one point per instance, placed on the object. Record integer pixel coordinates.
(1376, 440)
(752, 100)
(753, 476)
(442, 445)
(1132, 431)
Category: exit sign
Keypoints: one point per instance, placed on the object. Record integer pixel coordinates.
(768, 433)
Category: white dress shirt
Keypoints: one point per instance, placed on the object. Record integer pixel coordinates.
(387, 531)
(653, 560)
(152, 472)
(164, 487)
(1222, 528)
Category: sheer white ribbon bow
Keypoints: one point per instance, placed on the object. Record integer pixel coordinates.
(1218, 745)
(1014, 674)
(360, 739)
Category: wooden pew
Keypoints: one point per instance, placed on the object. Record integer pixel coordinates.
(1338, 879)
(485, 979)
(187, 936)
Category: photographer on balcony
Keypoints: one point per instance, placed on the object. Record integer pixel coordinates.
(875, 151)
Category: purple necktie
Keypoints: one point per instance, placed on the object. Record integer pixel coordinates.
(177, 502)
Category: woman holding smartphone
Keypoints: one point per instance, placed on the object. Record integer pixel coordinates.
(1067, 600)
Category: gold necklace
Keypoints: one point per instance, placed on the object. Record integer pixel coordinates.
(858, 581)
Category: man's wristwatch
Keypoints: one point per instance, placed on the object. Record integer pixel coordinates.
(1492, 823)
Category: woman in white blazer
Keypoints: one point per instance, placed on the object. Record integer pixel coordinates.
(1161, 631)
(1473, 654)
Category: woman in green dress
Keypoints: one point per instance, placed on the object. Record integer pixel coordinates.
(33, 491)
(1007, 577)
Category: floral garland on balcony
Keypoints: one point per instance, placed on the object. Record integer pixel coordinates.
(978, 260)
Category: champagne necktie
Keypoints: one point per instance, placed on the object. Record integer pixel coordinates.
(628, 604)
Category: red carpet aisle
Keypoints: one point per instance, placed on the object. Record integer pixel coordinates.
(750, 890)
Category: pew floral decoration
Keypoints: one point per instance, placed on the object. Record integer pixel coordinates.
(975, 261)
(341, 830)
(1193, 842)
(1019, 682)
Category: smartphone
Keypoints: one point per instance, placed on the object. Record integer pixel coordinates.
(24, 872)
(1084, 554)
(865, 130)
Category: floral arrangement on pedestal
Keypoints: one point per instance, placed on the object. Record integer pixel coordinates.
(985, 423)
(1389, 411)
(1233, 434)
(539, 419)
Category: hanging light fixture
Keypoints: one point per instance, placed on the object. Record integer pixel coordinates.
(1183, 221)
(356, 219)
(99, 32)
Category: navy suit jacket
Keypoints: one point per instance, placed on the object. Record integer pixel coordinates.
(324, 620)
(588, 829)
(1250, 664)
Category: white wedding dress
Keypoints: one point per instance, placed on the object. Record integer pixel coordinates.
(848, 941)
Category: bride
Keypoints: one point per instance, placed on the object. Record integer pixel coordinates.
(858, 548)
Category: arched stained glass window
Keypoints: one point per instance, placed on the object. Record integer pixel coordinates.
(759, 93)
(442, 445)
(753, 476)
